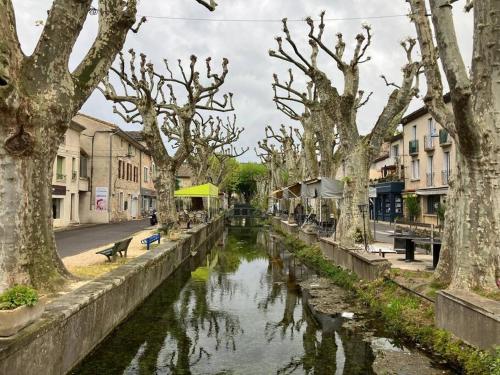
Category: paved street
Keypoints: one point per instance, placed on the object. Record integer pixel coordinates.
(383, 231)
(75, 241)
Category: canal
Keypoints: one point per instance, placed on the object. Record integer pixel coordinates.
(239, 310)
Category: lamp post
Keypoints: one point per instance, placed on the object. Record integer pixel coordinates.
(363, 209)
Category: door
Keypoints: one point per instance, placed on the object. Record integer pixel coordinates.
(72, 208)
(133, 208)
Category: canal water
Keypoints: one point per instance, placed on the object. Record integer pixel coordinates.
(239, 312)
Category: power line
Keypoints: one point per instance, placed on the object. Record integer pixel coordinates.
(269, 20)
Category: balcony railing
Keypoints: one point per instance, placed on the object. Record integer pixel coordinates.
(430, 179)
(444, 138)
(60, 177)
(413, 147)
(428, 143)
(445, 176)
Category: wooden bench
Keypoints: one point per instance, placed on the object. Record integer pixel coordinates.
(119, 247)
(148, 241)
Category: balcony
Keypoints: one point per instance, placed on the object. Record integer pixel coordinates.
(444, 138)
(430, 179)
(73, 175)
(428, 143)
(83, 184)
(413, 147)
(60, 177)
(445, 176)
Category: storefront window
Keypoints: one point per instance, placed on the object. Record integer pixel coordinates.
(433, 202)
(57, 204)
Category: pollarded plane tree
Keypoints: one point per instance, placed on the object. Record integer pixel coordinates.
(148, 97)
(470, 257)
(342, 108)
(213, 138)
(39, 96)
(272, 158)
(286, 97)
(290, 152)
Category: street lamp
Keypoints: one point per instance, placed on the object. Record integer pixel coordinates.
(363, 209)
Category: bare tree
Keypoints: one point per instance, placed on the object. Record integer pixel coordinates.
(312, 107)
(342, 109)
(272, 157)
(148, 96)
(469, 257)
(38, 98)
(290, 152)
(213, 138)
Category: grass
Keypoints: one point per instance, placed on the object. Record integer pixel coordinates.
(95, 270)
(404, 314)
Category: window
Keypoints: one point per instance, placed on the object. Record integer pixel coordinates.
(129, 152)
(431, 127)
(446, 161)
(83, 166)
(153, 170)
(433, 202)
(415, 169)
(57, 207)
(128, 171)
(430, 170)
(414, 132)
(73, 169)
(119, 169)
(120, 201)
(136, 172)
(395, 151)
(60, 167)
(146, 171)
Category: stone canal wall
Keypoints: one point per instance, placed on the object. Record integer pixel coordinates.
(77, 322)
(473, 318)
(366, 266)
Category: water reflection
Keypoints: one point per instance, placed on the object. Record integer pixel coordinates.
(240, 312)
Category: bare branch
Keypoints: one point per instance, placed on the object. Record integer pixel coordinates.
(210, 5)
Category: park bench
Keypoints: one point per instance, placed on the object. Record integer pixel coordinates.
(148, 241)
(119, 247)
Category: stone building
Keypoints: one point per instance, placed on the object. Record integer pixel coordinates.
(119, 176)
(430, 162)
(69, 179)
(387, 180)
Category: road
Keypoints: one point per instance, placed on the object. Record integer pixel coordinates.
(383, 231)
(75, 241)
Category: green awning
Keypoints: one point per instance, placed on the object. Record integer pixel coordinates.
(200, 191)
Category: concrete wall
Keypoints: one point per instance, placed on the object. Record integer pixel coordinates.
(367, 266)
(75, 323)
(472, 318)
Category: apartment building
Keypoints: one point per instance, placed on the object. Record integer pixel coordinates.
(430, 162)
(120, 173)
(387, 180)
(69, 179)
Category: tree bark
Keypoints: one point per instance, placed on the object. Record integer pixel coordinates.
(165, 189)
(357, 165)
(27, 246)
(469, 256)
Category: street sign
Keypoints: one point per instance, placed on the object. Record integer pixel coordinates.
(372, 192)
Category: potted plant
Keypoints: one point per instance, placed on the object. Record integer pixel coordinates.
(19, 307)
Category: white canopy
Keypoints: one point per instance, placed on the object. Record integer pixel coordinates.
(322, 187)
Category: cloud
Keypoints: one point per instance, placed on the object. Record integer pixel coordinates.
(245, 44)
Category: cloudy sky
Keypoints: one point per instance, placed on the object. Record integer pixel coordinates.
(243, 31)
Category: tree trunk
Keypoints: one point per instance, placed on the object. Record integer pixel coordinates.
(27, 246)
(357, 165)
(165, 189)
(470, 258)
(311, 162)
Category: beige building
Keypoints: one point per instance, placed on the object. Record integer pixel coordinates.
(389, 165)
(120, 173)
(430, 163)
(69, 180)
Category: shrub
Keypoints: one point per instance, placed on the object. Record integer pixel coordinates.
(412, 206)
(19, 295)
(358, 236)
